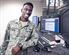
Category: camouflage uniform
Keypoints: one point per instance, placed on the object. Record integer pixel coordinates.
(15, 33)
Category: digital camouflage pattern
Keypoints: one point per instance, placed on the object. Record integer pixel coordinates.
(15, 34)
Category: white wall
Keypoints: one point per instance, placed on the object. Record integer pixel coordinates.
(11, 9)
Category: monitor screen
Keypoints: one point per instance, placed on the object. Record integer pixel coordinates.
(35, 20)
(50, 24)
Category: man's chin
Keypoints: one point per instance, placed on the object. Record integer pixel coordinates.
(26, 17)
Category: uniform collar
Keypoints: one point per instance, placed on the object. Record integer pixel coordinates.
(20, 25)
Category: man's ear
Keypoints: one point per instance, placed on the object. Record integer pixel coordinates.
(21, 10)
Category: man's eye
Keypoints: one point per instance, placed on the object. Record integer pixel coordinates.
(26, 9)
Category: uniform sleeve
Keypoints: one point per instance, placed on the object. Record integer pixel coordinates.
(5, 42)
(32, 41)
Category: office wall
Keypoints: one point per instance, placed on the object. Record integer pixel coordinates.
(65, 23)
(11, 9)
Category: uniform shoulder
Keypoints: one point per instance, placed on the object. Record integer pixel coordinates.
(31, 23)
(13, 21)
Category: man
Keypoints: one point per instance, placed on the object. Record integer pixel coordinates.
(20, 33)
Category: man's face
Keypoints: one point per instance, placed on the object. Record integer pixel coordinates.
(26, 11)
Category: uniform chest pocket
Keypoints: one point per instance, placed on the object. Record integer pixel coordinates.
(13, 32)
(28, 32)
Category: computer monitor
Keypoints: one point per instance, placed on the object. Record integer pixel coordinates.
(35, 20)
(49, 24)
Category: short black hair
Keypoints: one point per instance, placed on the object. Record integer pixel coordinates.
(28, 3)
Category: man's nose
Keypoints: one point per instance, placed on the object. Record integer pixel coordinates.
(28, 11)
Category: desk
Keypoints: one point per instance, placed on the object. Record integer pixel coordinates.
(55, 51)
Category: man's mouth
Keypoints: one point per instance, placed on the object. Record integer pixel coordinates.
(27, 15)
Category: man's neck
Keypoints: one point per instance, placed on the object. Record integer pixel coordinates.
(23, 19)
